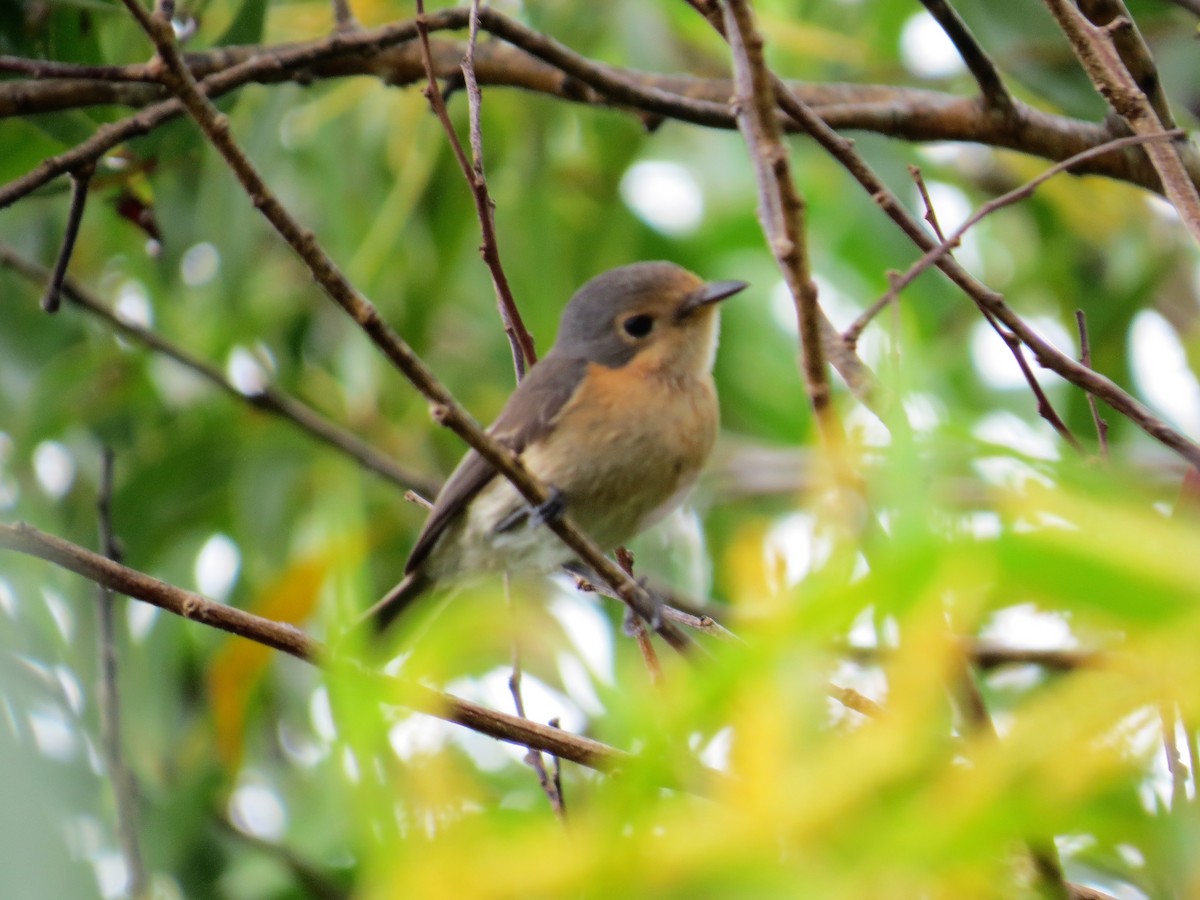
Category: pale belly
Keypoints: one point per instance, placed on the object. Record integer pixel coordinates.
(626, 475)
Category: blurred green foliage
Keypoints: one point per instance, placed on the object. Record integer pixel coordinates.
(263, 779)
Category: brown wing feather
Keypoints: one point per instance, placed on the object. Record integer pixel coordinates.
(529, 414)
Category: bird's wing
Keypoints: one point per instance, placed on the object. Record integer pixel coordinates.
(530, 413)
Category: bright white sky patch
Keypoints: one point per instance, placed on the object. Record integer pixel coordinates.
(1027, 626)
(588, 630)
(199, 264)
(664, 195)
(55, 736)
(217, 566)
(245, 372)
(796, 541)
(140, 618)
(112, 875)
(54, 467)
(256, 809)
(1161, 373)
(925, 49)
(1010, 430)
(133, 304)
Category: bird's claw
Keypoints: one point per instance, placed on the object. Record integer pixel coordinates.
(549, 511)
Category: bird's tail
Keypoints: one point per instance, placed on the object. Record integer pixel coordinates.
(398, 599)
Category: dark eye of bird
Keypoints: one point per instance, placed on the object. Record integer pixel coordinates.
(638, 326)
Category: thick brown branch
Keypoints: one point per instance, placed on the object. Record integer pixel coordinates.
(391, 54)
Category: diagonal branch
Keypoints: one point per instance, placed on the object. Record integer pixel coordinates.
(269, 399)
(519, 339)
(781, 209)
(288, 639)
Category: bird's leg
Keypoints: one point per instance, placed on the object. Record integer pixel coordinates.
(553, 508)
(549, 511)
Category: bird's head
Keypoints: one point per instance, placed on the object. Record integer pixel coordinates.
(655, 312)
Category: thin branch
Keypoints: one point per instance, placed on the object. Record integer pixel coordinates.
(935, 253)
(986, 75)
(520, 341)
(50, 69)
(124, 785)
(1085, 359)
(288, 639)
(533, 758)
(1047, 354)
(635, 626)
(269, 399)
(343, 16)
(446, 411)
(80, 179)
(1102, 61)
(781, 209)
(1045, 408)
(852, 699)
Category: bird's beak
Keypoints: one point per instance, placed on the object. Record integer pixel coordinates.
(708, 294)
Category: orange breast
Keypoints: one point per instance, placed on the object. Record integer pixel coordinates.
(628, 446)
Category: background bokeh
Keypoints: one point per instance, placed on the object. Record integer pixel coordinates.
(259, 777)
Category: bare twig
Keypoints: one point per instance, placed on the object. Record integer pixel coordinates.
(445, 409)
(533, 758)
(653, 666)
(269, 399)
(520, 341)
(288, 639)
(991, 85)
(936, 253)
(80, 179)
(781, 208)
(124, 785)
(1085, 359)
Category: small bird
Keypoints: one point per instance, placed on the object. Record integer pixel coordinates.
(618, 419)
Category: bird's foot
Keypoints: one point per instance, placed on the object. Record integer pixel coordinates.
(549, 511)
(552, 509)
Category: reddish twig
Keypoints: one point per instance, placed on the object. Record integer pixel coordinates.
(653, 666)
(939, 251)
(521, 342)
(1085, 359)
